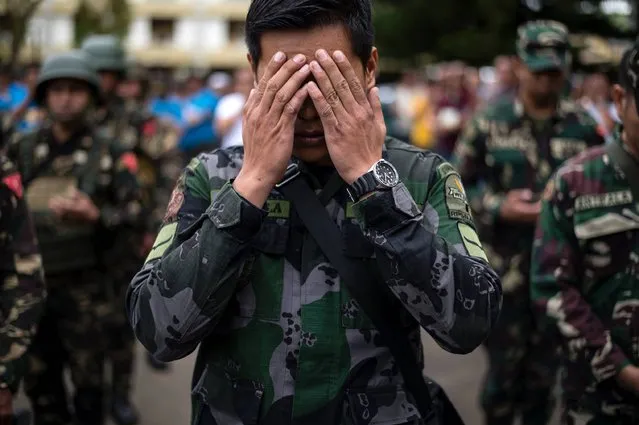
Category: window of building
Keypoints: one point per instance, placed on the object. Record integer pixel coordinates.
(162, 30)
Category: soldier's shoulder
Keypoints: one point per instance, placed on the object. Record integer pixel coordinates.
(7, 167)
(500, 111)
(219, 164)
(10, 179)
(412, 162)
(578, 113)
(592, 165)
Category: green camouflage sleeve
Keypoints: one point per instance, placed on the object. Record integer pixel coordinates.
(191, 273)
(124, 207)
(469, 161)
(22, 288)
(555, 286)
(433, 260)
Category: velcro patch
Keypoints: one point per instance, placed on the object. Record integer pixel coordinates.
(162, 242)
(14, 183)
(471, 241)
(456, 200)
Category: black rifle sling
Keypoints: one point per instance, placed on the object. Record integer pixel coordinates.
(363, 283)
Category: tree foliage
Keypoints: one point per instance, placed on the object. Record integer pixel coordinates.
(101, 17)
(473, 30)
(16, 16)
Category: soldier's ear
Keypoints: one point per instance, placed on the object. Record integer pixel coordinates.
(619, 98)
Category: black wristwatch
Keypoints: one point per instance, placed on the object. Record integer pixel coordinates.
(382, 175)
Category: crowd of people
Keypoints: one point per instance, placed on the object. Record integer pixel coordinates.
(333, 223)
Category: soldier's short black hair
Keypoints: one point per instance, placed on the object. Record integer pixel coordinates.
(629, 69)
(280, 15)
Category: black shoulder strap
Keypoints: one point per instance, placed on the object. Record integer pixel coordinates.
(363, 284)
(628, 165)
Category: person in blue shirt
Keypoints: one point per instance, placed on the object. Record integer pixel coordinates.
(198, 108)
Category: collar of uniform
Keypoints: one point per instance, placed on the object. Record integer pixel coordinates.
(80, 138)
(564, 107)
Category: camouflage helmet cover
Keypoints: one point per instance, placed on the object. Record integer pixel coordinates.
(105, 52)
(73, 65)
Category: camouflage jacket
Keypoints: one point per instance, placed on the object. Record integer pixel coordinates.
(88, 163)
(503, 149)
(281, 339)
(584, 278)
(156, 146)
(22, 288)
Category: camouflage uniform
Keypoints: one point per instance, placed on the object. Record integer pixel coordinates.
(155, 146)
(282, 341)
(160, 165)
(584, 280)
(22, 288)
(71, 331)
(584, 276)
(503, 149)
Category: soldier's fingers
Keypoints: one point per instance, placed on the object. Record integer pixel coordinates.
(292, 108)
(338, 80)
(290, 89)
(278, 81)
(349, 73)
(329, 94)
(376, 104)
(271, 69)
(324, 109)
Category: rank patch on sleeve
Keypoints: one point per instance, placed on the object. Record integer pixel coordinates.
(471, 241)
(456, 201)
(162, 242)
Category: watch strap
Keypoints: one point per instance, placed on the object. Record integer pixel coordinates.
(365, 184)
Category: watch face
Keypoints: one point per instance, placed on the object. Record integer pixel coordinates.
(386, 174)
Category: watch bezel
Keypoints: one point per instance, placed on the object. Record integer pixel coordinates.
(376, 173)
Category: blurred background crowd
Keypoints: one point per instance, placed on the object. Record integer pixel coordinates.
(187, 67)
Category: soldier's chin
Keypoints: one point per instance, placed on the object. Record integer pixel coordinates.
(67, 117)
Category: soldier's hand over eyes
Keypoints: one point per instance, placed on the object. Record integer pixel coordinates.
(268, 126)
(352, 117)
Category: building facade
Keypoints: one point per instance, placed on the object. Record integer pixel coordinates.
(162, 33)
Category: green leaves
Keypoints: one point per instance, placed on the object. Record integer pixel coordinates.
(471, 30)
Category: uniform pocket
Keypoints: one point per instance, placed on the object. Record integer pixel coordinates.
(387, 405)
(259, 293)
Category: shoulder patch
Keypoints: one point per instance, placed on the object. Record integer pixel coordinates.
(129, 162)
(456, 201)
(176, 202)
(14, 183)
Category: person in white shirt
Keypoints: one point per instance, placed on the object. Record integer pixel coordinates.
(228, 115)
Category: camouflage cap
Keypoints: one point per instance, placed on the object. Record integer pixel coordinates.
(543, 45)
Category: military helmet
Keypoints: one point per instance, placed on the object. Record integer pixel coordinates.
(74, 65)
(105, 52)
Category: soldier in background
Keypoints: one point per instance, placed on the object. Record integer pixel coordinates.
(22, 289)
(505, 157)
(155, 146)
(586, 265)
(81, 188)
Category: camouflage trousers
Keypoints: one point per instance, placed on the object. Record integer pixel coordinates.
(120, 338)
(523, 365)
(70, 335)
